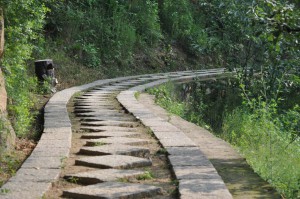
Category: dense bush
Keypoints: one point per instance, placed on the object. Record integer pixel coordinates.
(267, 138)
(101, 32)
(269, 149)
(22, 36)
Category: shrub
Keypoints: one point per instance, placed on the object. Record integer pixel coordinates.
(267, 147)
(22, 37)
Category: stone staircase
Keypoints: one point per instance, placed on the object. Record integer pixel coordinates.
(111, 144)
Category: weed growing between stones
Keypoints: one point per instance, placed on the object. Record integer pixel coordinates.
(98, 143)
(147, 175)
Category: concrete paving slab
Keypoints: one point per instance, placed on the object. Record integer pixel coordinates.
(50, 151)
(36, 175)
(21, 190)
(189, 160)
(181, 142)
(58, 130)
(103, 175)
(113, 161)
(57, 136)
(165, 128)
(181, 151)
(169, 134)
(113, 190)
(55, 123)
(196, 172)
(116, 149)
(117, 140)
(36, 162)
(56, 143)
(203, 189)
(153, 122)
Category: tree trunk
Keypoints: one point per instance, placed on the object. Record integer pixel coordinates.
(3, 95)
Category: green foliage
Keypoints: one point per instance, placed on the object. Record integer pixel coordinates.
(164, 96)
(267, 147)
(103, 32)
(22, 36)
(267, 137)
(177, 18)
(144, 16)
(147, 175)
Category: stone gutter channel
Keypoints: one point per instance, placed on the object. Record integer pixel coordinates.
(43, 166)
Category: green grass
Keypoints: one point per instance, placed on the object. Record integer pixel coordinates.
(147, 175)
(98, 143)
(265, 138)
(267, 149)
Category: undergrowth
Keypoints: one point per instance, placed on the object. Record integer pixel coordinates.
(265, 137)
(268, 148)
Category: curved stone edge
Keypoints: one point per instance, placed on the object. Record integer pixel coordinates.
(42, 167)
(184, 156)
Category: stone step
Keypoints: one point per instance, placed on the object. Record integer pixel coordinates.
(96, 107)
(110, 123)
(113, 161)
(88, 98)
(115, 149)
(94, 100)
(117, 140)
(108, 134)
(107, 128)
(99, 111)
(102, 175)
(116, 190)
(107, 118)
(91, 114)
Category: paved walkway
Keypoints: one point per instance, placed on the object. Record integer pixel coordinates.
(108, 149)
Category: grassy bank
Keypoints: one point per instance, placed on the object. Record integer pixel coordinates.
(266, 139)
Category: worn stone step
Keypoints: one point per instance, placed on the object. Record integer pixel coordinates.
(113, 88)
(94, 100)
(99, 111)
(113, 161)
(100, 98)
(116, 140)
(110, 123)
(107, 118)
(100, 91)
(116, 149)
(96, 107)
(115, 190)
(108, 128)
(91, 114)
(102, 175)
(105, 134)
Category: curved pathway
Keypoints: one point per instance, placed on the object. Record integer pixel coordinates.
(108, 123)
